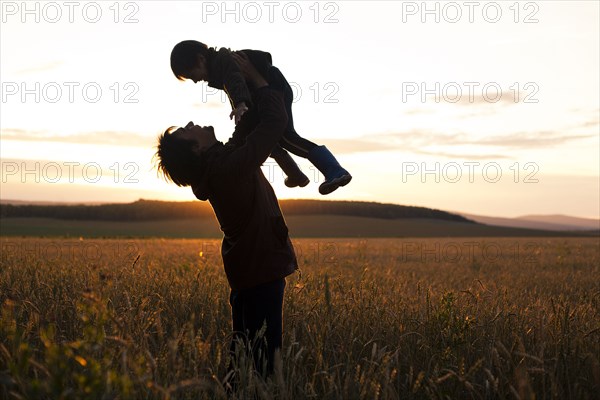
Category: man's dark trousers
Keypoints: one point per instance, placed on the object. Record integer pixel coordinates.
(250, 309)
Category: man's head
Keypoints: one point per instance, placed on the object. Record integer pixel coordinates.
(179, 152)
(189, 60)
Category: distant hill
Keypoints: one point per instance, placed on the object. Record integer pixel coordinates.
(546, 222)
(300, 226)
(305, 218)
(563, 221)
(152, 210)
(45, 203)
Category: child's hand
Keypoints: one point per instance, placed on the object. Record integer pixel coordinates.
(238, 112)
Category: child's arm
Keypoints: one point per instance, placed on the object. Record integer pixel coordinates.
(251, 119)
(243, 128)
(234, 83)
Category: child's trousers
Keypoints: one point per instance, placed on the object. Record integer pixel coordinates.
(290, 140)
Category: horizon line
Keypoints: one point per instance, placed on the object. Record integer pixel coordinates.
(462, 213)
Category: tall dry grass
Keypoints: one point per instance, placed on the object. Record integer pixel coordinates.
(464, 318)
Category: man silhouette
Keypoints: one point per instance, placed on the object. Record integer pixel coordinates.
(257, 251)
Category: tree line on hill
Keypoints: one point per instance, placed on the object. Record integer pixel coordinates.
(145, 210)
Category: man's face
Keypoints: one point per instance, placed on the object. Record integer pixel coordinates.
(203, 136)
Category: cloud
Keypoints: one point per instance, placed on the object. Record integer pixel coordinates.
(517, 140)
(98, 137)
(463, 156)
(348, 146)
(352, 146)
(492, 98)
(415, 141)
(589, 124)
(507, 98)
(530, 139)
(421, 142)
(41, 68)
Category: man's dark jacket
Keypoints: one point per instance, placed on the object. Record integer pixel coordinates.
(256, 247)
(224, 74)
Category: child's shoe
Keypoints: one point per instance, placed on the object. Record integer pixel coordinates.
(300, 180)
(295, 176)
(335, 175)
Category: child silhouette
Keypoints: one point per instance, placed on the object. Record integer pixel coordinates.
(196, 61)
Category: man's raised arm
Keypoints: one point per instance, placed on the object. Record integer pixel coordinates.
(273, 120)
(260, 142)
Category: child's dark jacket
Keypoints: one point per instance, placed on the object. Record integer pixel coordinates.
(224, 73)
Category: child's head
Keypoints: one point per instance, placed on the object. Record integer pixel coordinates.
(189, 60)
(179, 152)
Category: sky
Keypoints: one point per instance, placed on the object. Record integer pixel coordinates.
(488, 108)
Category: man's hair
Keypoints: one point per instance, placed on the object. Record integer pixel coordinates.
(175, 158)
(184, 57)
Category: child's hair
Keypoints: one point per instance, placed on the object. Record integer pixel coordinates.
(184, 56)
(177, 161)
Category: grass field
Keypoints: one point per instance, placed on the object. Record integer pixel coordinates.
(461, 318)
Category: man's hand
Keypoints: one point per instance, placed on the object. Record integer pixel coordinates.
(238, 112)
(248, 70)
